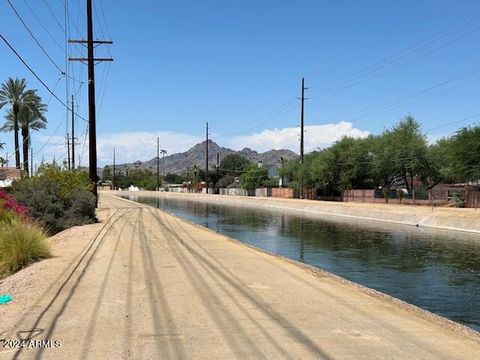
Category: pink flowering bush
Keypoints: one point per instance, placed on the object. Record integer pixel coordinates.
(8, 203)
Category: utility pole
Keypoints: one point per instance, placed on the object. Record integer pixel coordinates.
(31, 161)
(68, 150)
(91, 60)
(206, 157)
(302, 131)
(113, 176)
(158, 163)
(217, 191)
(73, 135)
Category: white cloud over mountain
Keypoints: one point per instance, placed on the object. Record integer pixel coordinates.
(134, 146)
(316, 136)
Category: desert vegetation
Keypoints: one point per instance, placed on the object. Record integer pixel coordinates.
(22, 240)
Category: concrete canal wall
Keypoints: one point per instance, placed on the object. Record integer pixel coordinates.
(456, 219)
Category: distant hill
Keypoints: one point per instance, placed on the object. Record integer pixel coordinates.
(176, 163)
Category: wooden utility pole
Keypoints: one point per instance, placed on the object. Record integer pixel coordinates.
(113, 175)
(206, 157)
(91, 60)
(302, 132)
(31, 161)
(73, 135)
(217, 191)
(158, 163)
(68, 150)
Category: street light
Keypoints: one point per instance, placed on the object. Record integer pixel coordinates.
(164, 152)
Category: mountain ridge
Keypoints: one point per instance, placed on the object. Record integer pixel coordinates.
(178, 162)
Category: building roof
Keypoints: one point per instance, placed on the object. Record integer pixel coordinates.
(10, 173)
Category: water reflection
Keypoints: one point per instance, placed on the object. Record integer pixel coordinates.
(436, 270)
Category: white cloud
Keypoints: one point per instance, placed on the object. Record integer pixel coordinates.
(316, 136)
(129, 147)
(143, 145)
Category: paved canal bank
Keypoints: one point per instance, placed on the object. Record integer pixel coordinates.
(150, 285)
(437, 270)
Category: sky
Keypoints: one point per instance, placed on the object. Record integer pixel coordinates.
(238, 65)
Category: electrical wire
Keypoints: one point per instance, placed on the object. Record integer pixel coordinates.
(62, 72)
(53, 15)
(36, 76)
(51, 136)
(104, 19)
(392, 105)
(43, 26)
(370, 69)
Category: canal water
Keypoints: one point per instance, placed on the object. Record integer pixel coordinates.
(436, 270)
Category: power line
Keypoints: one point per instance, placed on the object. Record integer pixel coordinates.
(35, 38)
(65, 4)
(83, 145)
(395, 104)
(103, 88)
(53, 15)
(105, 20)
(453, 122)
(43, 26)
(423, 20)
(99, 23)
(399, 56)
(36, 76)
(343, 77)
(51, 136)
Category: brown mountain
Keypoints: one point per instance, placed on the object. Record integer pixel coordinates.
(176, 163)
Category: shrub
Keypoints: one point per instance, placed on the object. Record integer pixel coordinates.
(21, 243)
(81, 209)
(57, 199)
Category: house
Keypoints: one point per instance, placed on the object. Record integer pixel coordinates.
(8, 175)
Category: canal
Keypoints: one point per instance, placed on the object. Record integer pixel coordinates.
(438, 271)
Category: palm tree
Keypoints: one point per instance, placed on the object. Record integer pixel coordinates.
(30, 117)
(12, 92)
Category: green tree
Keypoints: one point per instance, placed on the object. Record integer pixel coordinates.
(350, 163)
(254, 176)
(465, 152)
(12, 92)
(30, 117)
(174, 178)
(410, 155)
(106, 174)
(233, 164)
(441, 163)
(400, 153)
(141, 178)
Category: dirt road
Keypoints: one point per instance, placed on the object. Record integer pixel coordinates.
(145, 285)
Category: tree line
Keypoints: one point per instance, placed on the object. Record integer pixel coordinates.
(400, 156)
(234, 170)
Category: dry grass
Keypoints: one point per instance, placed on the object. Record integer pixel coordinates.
(21, 244)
